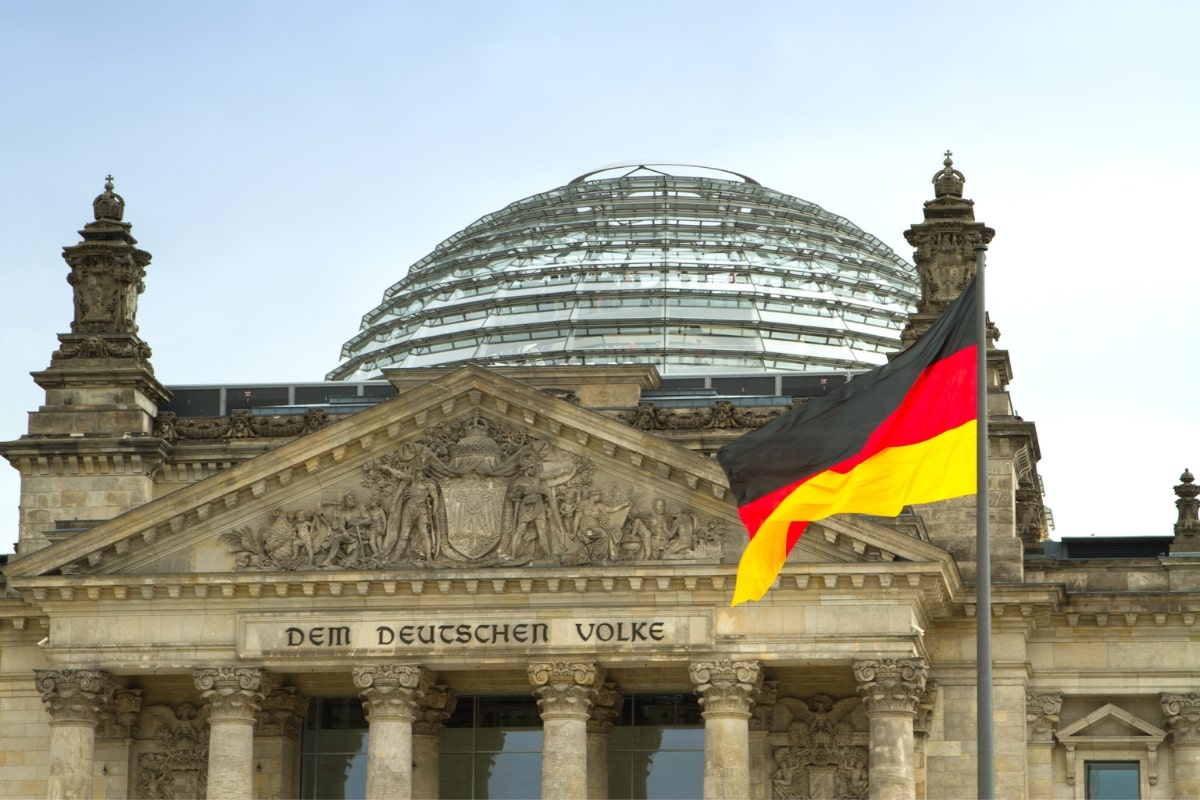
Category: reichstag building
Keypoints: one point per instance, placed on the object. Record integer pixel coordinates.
(490, 554)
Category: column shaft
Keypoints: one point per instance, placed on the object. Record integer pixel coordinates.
(73, 698)
(566, 693)
(391, 694)
(727, 690)
(891, 689)
(233, 695)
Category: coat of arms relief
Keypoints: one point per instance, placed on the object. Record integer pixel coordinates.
(478, 493)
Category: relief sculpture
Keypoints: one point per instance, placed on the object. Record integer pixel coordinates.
(178, 766)
(476, 493)
(822, 758)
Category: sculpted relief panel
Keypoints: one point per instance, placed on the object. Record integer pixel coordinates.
(478, 493)
(826, 754)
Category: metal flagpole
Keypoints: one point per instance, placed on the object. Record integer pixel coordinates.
(985, 741)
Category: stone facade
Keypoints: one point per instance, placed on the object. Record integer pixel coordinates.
(184, 587)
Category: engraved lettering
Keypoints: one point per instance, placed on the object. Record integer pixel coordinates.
(520, 632)
(541, 632)
(579, 629)
(339, 635)
(406, 634)
(500, 632)
(656, 631)
(463, 634)
(295, 637)
(479, 631)
(604, 632)
(384, 630)
(421, 629)
(442, 633)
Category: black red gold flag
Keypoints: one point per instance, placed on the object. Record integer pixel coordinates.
(902, 433)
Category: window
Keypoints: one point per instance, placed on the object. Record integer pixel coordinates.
(1112, 780)
(656, 749)
(334, 750)
(492, 748)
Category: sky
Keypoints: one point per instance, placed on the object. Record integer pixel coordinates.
(285, 162)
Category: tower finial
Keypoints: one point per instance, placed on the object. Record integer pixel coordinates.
(949, 181)
(110, 205)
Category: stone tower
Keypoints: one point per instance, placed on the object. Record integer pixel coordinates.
(89, 454)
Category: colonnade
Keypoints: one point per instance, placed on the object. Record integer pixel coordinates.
(406, 711)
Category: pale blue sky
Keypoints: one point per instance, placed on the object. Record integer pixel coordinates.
(286, 161)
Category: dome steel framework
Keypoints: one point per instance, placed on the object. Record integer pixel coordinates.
(698, 275)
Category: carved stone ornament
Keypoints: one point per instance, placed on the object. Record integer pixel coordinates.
(240, 424)
(281, 713)
(178, 768)
(891, 685)
(75, 696)
(821, 758)
(722, 414)
(477, 493)
(118, 716)
(392, 691)
(725, 686)
(233, 692)
(435, 707)
(926, 702)
(565, 688)
(762, 716)
(1182, 712)
(1042, 716)
(606, 709)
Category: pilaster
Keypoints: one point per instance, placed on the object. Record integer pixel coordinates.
(435, 707)
(1182, 712)
(606, 709)
(760, 725)
(1041, 718)
(277, 743)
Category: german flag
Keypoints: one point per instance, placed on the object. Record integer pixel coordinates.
(902, 433)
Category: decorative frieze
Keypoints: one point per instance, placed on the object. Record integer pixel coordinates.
(240, 423)
(391, 691)
(1042, 716)
(891, 684)
(722, 414)
(477, 493)
(726, 686)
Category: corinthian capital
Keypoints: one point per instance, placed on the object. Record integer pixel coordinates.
(1183, 715)
(565, 688)
(891, 685)
(434, 709)
(606, 709)
(1042, 715)
(75, 696)
(233, 692)
(725, 686)
(391, 691)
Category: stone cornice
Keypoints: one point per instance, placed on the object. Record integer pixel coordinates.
(341, 448)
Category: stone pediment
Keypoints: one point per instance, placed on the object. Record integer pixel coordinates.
(849, 539)
(471, 470)
(1110, 723)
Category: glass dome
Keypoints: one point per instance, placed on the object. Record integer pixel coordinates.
(700, 273)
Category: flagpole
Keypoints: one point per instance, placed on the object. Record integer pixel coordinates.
(985, 741)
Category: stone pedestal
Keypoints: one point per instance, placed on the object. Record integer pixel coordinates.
(391, 695)
(435, 708)
(233, 695)
(1182, 712)
(605, 711)
(727, 690)
(73, 698)
(566, 693)
(277, 743)
(890, 689)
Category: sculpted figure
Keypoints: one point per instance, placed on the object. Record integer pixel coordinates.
(598, 523)
(422, 503)
(661, 534)
(528, 497)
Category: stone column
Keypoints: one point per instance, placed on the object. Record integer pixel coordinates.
(277, 743)
(926, 702)
(435, 708)
(727, 690)
(891, 688)
(1041, 720)
(233, 695)
(73, 698)
(1182, 712)
(605, 710)
(114, 735)
(566, 692)
(762, 721)
(391, 694)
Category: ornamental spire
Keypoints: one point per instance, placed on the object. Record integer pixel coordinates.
(945, 248)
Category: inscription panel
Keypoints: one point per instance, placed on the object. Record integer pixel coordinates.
(478, 632)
